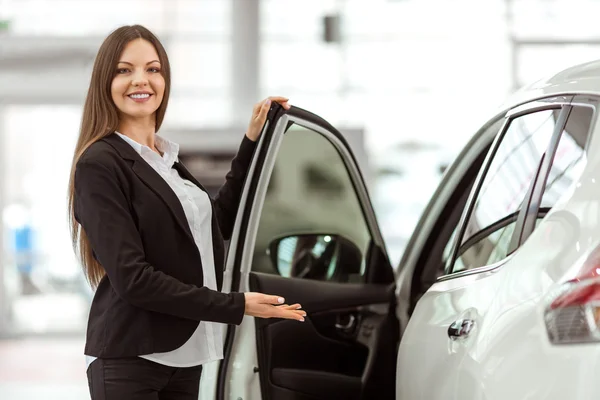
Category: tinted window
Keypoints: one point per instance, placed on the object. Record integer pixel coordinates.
(514, 165)
(312, 225)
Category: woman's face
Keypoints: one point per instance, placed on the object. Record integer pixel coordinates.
(138, 86)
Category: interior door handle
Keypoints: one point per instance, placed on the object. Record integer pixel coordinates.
(348, 326)
(460, 328)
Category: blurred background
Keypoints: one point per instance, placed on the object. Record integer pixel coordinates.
(407, 81)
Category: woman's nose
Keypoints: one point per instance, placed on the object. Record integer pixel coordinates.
(139, 79)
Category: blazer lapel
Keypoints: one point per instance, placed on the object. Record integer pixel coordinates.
(183, 172)
(153, 180)
(218, 246)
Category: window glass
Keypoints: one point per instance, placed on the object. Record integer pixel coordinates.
(312, 225)
(452, 218)
(569, 159)
(515, 164)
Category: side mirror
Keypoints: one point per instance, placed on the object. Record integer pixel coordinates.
(324, 257)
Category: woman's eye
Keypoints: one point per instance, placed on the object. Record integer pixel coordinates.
(122, 71)
(155, 70)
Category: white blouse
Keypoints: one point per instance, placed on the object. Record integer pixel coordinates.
(206, 343)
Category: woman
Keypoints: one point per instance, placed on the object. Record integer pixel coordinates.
(149, 237)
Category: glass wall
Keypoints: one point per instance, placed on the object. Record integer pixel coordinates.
(37, 155)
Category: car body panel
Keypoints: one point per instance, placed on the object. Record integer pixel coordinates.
(578, 79)
(508, 354)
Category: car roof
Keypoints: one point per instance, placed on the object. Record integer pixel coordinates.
(577, 79)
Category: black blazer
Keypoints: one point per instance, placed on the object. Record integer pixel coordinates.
(152, 297)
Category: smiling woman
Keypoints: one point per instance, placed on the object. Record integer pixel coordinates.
(150, 238)
(138, 87)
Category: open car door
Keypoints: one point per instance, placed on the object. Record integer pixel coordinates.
(306, 230)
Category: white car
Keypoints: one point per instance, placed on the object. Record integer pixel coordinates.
(496, 296)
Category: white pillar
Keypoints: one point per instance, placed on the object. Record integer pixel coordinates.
(245, 59)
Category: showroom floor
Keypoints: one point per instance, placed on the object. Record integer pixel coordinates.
(44, 368)
(45, 359)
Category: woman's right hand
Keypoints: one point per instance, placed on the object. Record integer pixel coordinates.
(268, 306)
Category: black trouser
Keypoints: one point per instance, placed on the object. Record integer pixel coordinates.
(139, 379)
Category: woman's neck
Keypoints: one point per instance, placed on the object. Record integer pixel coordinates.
(140, 131)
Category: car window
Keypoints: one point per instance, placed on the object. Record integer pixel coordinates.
(514, 165)
(312, 224)
(451, 217)
(569, 158)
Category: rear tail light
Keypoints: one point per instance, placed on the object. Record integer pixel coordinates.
(573, 315)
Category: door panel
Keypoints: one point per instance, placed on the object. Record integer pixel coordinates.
(317, 296)
(341, 348)
(307, 231)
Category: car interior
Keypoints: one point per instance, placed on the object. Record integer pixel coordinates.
(314, 247)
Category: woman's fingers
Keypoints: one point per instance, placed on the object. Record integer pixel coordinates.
(256, 109)
(270, 299)
(279, 99)
(262, 115)
(261, 109)
(290, 307)
(285, 311)
(270, 306)
(298, 315)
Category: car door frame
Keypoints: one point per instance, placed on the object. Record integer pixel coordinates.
(241, 343)
(561, 103)
(415, 259)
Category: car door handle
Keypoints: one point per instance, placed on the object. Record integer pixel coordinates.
(348, 325)
(460, 329)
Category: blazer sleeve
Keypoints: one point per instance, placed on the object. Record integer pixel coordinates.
(101, 209)
(227, 200)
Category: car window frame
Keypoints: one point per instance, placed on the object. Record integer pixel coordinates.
(488, 230)
(423, 260)
(532, 214)
(376, 253)
(539, 105)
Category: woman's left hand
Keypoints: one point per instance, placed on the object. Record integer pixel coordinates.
(259, 115)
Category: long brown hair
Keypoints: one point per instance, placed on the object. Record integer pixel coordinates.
(100, 119)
